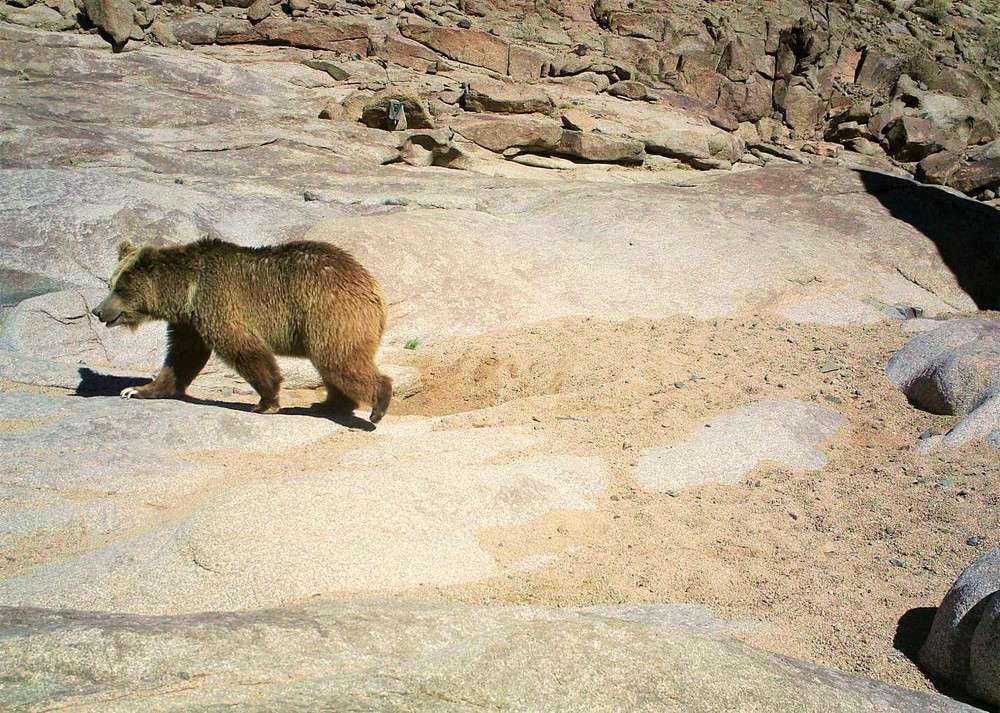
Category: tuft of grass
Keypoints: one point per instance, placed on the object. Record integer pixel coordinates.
(412, 343)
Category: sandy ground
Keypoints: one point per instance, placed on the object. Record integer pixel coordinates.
(831, 560)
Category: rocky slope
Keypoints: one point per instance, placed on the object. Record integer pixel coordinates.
(585, 308)
(911, 84)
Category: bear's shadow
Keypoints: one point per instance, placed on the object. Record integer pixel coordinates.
(94, 384)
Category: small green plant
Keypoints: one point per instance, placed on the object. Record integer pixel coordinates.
(412, 343)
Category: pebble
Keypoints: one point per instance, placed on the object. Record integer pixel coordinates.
(828, 366)
(972, 541)
(897, 562)
(679, 384)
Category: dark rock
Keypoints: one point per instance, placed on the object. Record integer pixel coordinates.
(37, 16)
(803, 109)
(334, 70)
(938, 168)
(878, 71)
(913, 139)
(977, 176)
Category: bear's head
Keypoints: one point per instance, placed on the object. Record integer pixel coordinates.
(128, 302)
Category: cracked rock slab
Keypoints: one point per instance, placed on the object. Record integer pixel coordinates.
(728, 448)
(392, 656)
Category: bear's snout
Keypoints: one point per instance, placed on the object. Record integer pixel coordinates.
(106, 312)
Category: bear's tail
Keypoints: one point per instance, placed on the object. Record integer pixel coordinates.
(381, 398)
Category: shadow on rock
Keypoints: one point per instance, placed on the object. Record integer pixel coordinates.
(94, 384)
(966, 233)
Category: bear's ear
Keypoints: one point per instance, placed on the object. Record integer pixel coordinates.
(125, 248)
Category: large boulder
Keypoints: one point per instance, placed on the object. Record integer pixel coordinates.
(499, 133)
(38, 16)
(381, 111)
(955, 369)
(976, 176)
(474, 47)
(395, 656)
(963, 647)
(913, 139)
(483, 96)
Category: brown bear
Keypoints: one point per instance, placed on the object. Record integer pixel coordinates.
(303, 299)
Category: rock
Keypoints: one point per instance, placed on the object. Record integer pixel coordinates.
(878, 71)
(750, 100)
(783, 431)
(976, 176)
(984, 654)
(348, 108)
(803, 110)
(482, 96)
(408, 53)
(258, 10)
(963, 122)
(938, 168)
(196, 29)
(113, 18)
(699, 148)
(913, 139)
(391, 655)
(958, 83)
(427, 148)
(955, 369)
(577, 120)
(962, 647)
(334, 70)
(699, 81)
(592, 146)
(37, 16)
(378, 110)
(264, 541)
(630, 89)
(526, 64)
(347, 35)
(474, 47)
(500, 133)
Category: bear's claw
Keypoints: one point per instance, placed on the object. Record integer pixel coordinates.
(129, 392)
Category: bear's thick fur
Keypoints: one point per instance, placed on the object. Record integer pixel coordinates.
(303, 299)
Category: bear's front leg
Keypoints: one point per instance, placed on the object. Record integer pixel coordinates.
(187, 355)
(255, 362)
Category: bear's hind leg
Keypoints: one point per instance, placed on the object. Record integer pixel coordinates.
(187, 355)
(252, 360)
(336, 400)
(360, 381)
